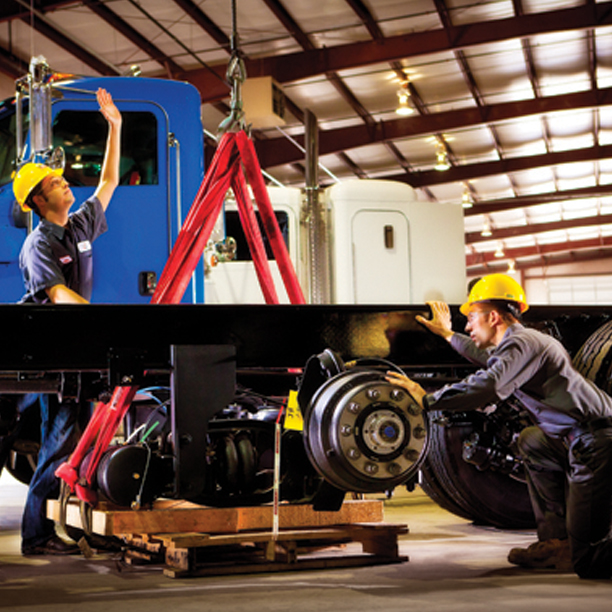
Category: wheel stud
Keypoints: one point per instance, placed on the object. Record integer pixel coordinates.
(394, 469)
(414, 409)
(371, 468)
(373, 394)
(411, 454)
(354, 407)
(397, 395)
(353, 453)
(419, 432)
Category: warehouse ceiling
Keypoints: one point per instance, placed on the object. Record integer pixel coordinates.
(515, 94)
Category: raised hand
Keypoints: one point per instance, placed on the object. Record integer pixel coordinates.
(440, 322)
(107, 107)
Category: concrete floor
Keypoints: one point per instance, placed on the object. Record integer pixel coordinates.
(453, 566)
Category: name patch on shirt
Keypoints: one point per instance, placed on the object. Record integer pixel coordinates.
(66, 259)
(84, 246)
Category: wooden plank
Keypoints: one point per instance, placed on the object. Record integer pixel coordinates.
(184, 517)
(295, 515)
(194, 540)
(177, 518)
(217, 569)
(348, 533)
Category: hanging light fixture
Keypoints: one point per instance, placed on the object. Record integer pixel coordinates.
(486, 228)
(499, 252)
(511, 267)
(442, 162)
(403, 94)
(466, 198)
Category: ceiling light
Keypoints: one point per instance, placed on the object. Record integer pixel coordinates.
(511, 267)
(442, 162)
(486, 229)
(499, 252)
(466, 198)
(403, 94)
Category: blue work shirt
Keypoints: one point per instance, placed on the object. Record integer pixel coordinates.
(533, 367)
(55, 255)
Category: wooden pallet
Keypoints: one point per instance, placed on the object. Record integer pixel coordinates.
(198, 554)
(193, 540)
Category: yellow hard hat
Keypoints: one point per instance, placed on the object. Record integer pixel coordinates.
(496, 287)
(27, 177)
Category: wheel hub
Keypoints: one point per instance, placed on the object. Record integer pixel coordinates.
(364, 434)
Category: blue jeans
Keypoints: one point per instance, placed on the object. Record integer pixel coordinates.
(61, 426)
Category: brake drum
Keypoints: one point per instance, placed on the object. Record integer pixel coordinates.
(364, 434)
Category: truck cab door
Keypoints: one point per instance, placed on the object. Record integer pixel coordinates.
(136, 246)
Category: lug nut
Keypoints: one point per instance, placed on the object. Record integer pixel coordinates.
(397, 395)
(419, 432)
(353, 453)
(394, 469)
(411, 454)
(354, 407)
(414, 409)
(346, 430)
(373, 394)
(371, 468)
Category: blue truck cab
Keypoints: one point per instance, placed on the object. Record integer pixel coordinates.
(162, 165)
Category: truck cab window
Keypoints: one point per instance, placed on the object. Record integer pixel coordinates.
(82, 134)
(233, 228)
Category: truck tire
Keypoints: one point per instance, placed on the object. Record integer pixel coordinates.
(485, 497)
(594, 359)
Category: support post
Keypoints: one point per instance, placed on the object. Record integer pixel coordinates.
(315, 218)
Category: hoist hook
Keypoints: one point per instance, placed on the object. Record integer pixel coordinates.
(236, 76)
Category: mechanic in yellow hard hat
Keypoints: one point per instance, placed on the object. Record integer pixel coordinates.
(27, 183)
(498, 287)
(56, 263)
(56, 258)
(567, 452)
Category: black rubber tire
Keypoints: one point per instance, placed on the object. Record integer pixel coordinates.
(484, 497)
(594, 359)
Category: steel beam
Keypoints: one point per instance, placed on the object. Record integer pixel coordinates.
(474, 259)
(276, 151)
(537, 228)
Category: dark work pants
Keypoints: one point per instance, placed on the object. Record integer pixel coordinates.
(571, 494)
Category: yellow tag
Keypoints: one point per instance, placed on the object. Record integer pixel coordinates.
(293, 416)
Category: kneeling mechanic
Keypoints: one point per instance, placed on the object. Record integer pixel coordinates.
(567, 451)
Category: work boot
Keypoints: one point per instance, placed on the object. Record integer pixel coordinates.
(547, 554)
(53, 546)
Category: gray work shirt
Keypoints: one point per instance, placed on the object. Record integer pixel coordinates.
(536, 370)
(55, 255)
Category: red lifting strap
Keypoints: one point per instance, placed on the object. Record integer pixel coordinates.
(253, 172)
(253, 237)
(225, 170)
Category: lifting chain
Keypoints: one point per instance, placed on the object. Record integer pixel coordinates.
(236, 76)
